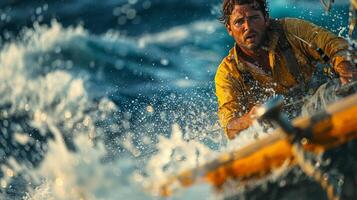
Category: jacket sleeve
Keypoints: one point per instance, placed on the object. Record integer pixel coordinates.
(228, 92)
(333, 46)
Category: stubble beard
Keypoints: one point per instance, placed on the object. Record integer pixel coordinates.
(255, 46)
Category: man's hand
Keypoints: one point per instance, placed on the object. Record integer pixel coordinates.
(253, 112)
(347, 72)
(236, 125)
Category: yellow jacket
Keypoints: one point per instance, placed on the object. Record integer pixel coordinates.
(236, 97)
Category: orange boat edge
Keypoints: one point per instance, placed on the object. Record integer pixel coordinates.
(335, 127)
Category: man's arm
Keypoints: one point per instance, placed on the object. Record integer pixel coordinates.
(238, 124)
(347, 72)
(334, 47)
(231, 104)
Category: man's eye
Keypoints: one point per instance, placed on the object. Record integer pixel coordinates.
(239, 22)
(255, 17)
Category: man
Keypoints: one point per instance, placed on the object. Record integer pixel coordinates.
(269, 57)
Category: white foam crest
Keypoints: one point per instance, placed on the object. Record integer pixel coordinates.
(246, 137)
(55, 102)
(174, 156)
(40, 38)
(41, 192)
(15, 67)
(9, 171)
(55, 99)
(174, 35)
(64, 175)
(43, 37)
(57, 96)
(178, 34)
(57, 90)
(11, 60)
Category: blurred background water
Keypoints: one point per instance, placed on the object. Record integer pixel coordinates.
(103, 99)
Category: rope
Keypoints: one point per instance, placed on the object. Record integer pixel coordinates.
(307, 166)
(327, 5)
(352, 20)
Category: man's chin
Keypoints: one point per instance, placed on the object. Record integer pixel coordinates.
(252, 46)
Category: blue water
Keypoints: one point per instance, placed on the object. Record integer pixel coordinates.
(121, 75)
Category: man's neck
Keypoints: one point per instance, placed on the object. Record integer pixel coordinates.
(254, 54)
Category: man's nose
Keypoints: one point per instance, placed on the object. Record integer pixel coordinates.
(247, 24)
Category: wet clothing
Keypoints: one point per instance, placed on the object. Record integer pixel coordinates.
(241, 83)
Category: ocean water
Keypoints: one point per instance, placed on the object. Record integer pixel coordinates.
(105, 100)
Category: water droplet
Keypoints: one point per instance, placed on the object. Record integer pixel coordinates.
(132, 1)
(164, 62)
(147, 4)
(38, 10)
(304, 141)
(150, 109)
(122, 20)
(131, 14)
(59, 182)
(67, 115)
(3, 184)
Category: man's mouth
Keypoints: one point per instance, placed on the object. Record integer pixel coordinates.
(250, 37)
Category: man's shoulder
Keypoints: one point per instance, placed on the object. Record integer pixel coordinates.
(227, 61)
(290, 23)
(227, 68)
(292, 20)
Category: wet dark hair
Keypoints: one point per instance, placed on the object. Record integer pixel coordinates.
(228, 5)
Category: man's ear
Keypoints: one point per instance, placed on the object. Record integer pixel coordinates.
(229, 29)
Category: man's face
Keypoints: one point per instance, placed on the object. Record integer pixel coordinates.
(247, 26)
